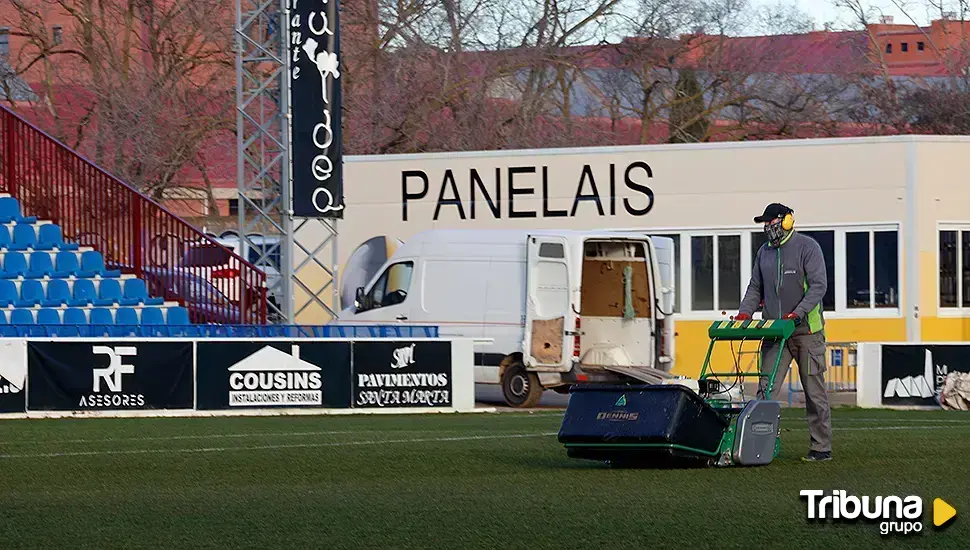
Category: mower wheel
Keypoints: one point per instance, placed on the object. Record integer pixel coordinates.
(521, 388)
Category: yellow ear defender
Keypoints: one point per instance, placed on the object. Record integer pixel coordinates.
(788, 222)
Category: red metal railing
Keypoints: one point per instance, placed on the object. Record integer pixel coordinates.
(133, 232)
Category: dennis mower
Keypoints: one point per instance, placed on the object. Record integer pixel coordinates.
(682, 422)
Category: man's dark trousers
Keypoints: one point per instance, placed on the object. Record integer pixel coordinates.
(808, 350)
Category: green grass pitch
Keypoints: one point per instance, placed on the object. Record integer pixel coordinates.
(449, 481)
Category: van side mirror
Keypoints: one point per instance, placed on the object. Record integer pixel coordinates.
(359, 298)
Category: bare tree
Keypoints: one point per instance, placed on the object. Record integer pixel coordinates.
(140, 86)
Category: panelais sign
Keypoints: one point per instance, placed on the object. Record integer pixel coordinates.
(316, 155)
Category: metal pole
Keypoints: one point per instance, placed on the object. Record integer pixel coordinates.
(286, 260)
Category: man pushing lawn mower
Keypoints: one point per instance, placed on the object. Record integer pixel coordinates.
(789, 280)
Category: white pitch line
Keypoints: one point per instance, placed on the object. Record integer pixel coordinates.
(272, 447)
(217, 436)
(836, 428)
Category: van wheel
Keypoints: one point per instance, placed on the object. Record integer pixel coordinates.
(521, 388)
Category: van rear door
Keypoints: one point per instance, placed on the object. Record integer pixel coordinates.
(547, 303)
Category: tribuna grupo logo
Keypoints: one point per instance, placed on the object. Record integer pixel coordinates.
(895, 514)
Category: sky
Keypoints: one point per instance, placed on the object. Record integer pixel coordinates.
(824, 10)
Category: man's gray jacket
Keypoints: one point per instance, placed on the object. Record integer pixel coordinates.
(789, 278)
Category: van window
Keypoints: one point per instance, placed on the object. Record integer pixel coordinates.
(392, 287)
(272, 259)
(551, 250)
(205, 256)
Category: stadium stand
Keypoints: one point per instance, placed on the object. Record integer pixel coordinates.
(82, 253)
(43, 275)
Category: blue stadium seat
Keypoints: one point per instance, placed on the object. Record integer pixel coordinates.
(75, 316)
(8, 293)
(152, 316)
(109, 293)
(93, 262)
(48, 316)
(3, 317)
(126, 316)
(65, 265)
(101, 316)
(49, 237)
(136, 292)
(21, 317)
(24, 237)
(40, 265)
(10, 211)
(177, 316)
(58, 293)
(14, 265)
(31, 293)
(4, 237)
(84, 293)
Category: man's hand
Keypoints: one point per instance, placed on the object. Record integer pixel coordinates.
(741, 317)
(792, 317)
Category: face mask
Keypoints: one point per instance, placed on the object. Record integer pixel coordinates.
(775, 233)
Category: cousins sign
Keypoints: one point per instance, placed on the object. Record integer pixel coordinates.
(316, 155)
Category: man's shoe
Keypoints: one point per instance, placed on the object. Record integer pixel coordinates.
(817, 456)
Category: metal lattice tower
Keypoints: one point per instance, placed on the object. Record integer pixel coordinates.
(263, 171)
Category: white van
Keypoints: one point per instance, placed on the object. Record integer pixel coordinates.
(559, 306)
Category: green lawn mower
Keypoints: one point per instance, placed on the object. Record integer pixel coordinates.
(683, 422)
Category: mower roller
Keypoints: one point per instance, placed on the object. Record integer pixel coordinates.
(674, 425)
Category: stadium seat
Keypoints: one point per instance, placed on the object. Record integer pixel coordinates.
(40, 265)
(126, 316)
(58, 293)
(92, 262)
(14, 265)
(109, 293)
(31, 293)
(49, 237)
(177, 316)
(3, 317)
(4, 237)
(21, 317)
(101, 316)
(136, 292)
(152, 316)
(75, 316)
(8, 293)
(10, 211)
(84, 293)
(24, 237)
(65, 265)
(48, 316)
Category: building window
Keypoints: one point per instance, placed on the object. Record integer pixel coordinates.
(58, 32)
(904, 46)
(826, 240)
(729, 272)
(4, 42)
(955, 268)
(233, 207)
(871, 269)
(715, 272)
(886, 270)
(920, 46)
(889, 48)
(861, 267)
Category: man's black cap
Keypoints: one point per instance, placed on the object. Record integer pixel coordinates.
(773, 211)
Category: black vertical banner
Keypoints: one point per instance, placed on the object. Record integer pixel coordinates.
(315, 99)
